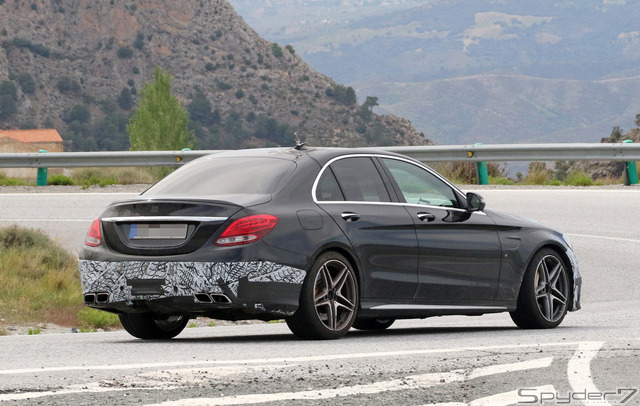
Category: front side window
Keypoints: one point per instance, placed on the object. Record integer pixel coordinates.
(359, 180)
(419, 186)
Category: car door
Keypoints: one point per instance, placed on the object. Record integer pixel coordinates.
(351, 190)
(460, 252)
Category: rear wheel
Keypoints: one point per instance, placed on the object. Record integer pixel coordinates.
(373, 324)
(328, 300)
(544, 293)
(146, 327)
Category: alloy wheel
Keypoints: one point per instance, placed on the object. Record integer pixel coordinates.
(335, 295)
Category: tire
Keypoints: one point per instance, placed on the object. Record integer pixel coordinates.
(544, 293)
(328, 300)
(373, 324)
(146, 327)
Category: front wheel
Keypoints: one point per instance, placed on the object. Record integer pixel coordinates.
(146, 327)
(544, 293)
(328, 300)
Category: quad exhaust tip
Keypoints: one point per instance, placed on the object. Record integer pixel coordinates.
(211, 298)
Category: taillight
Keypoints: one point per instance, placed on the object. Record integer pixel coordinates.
(94, 237)
(247, 230)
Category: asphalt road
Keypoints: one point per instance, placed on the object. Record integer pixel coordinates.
(593, 355)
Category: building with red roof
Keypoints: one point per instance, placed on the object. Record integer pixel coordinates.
(21, 141)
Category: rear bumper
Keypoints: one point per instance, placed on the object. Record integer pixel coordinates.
(173, 287)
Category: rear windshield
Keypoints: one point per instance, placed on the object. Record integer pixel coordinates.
(226, 176)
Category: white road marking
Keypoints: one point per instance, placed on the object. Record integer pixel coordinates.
(579, 370)
(278, 360)
(406, 383)
(519, 366)
(69, 194)
(500, 399)
(579, 376)
(601, 237)
(558, 190)
(167, 379)
(48, 220)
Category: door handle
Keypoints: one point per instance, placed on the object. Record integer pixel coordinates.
(426, 216)
(350, 216)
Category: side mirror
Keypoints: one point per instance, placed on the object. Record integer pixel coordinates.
(475, 202)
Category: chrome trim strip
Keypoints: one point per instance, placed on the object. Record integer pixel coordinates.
(402, 204)
(134, 219)
(436, 307)
(418, 164)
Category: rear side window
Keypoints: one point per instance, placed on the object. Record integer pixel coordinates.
(226, 176)
(328, 189)
(359, 180)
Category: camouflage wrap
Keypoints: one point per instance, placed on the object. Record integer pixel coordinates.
(180, 278)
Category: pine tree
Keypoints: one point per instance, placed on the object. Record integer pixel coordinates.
(160, 123)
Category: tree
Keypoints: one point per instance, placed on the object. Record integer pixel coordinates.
(8, 98)
(200, 109)
(160, 122)
(125, 101)
(616, 134)
(370, 102)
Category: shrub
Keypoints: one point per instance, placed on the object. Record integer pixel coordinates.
(59, 180)
(578, 178)
(27, 84)
(138, 43)
(342, 94)
(538, 174)
(94, 319)
(67, 85)
(8, 106)
(277, 50)
(124, 52)
(78, 113)
(8, 88)
(223, 85)
(239, 94)
(125, 101)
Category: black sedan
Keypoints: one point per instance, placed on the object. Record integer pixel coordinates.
(327, 239)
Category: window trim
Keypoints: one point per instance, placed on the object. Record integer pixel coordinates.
(375, 157)
(391, 193)
(400, 193)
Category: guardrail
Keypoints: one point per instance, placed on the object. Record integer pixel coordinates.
(479, 153)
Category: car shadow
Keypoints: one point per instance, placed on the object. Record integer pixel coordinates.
(352, 335)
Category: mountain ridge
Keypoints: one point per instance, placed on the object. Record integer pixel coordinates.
(78, 65)
(578, 42)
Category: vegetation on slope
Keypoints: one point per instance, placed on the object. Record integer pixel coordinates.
(39, 281)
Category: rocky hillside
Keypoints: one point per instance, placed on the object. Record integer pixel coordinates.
(79, 66)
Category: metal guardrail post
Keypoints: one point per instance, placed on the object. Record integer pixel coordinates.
(631, 170)
(481, 171)
(41, 177)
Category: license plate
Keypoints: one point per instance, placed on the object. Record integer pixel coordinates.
(158, 232)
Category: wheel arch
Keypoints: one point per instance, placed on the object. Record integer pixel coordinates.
(346, 252)
(561, 251)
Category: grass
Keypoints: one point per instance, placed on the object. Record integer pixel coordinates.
(34, 331)
(39, 282)
(112, 176)
(4, 181)
(87, 177)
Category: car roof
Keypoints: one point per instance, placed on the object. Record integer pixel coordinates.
(320, 154)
